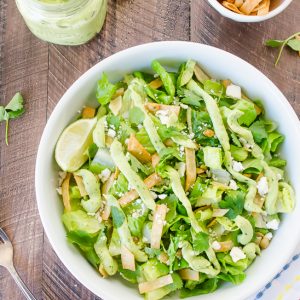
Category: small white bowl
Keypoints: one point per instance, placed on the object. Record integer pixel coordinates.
(276, 8)
(219, 64)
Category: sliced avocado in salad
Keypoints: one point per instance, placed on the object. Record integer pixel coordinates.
(180, 183)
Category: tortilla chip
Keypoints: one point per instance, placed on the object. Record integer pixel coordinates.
(238, 3)
(262, 11)
(232, 7)
(249, 5)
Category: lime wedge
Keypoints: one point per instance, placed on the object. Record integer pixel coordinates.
(71, 148)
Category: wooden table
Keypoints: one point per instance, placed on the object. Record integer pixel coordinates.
(43, 72)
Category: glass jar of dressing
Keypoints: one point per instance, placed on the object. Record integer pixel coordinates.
(64, 22)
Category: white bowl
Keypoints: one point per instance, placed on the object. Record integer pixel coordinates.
(219, 64)
(276, 8)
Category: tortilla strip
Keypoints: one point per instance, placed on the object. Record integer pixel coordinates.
(80, 185)
(138, 150)
(65, 192)
(238, 3)
(260, 6)
(264, 10)
(249, 5)
(150, 182)
(232, 7)
(156, 83)
(191, 172)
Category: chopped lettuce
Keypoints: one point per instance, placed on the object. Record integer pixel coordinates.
(211, 160)
(164, 76)
(81, 223)
(105, 90)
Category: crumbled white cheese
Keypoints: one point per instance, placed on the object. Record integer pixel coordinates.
(234, 91)
(180, 166)
(91, 214)
(274, 224)
(262, 186)
(111, 132)
(233, 185)
(127, 155)
(140, 126)
(279, 177)
(181, 151)
(145, 240)
(163, 116)
(104, 175)
(216, 245)
(191, 135)
(61, 176)
(237, 166)
(125, 114)
(137, 213)
(154, 195)
(162, 196)
(269, 235)
(126, 141)
(237, 254)
(184, 106)
(138, 201)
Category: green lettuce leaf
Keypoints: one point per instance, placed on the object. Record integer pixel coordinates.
(214, 88)
(105, 90)
(249, 111)
(165, 77)
(258, 131)
(235, 279)
(206, 287)
(233, 268)
(79, 221)
(143, 137)
(136, 116)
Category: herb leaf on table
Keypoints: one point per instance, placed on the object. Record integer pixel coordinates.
(12, 110)
(292, 41)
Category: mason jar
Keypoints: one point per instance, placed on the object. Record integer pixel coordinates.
(64, 22)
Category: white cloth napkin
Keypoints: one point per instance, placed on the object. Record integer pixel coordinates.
(285, 285)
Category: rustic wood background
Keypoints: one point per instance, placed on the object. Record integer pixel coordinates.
(43, 72)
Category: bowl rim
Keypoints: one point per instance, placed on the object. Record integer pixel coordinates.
(65, 99)
(242, 18)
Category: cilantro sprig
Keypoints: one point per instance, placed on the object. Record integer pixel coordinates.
(292, 41)
(12, 110)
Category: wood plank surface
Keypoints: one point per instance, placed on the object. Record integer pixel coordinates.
(43, 72)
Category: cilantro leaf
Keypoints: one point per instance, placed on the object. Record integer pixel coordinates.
(3, 114)
(234, 201)
(292, 41)
(200, 242)
(294, 44)
(12, 110)
(16, 103)
(274, 43)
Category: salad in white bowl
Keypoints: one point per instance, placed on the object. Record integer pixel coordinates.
(173, 180)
